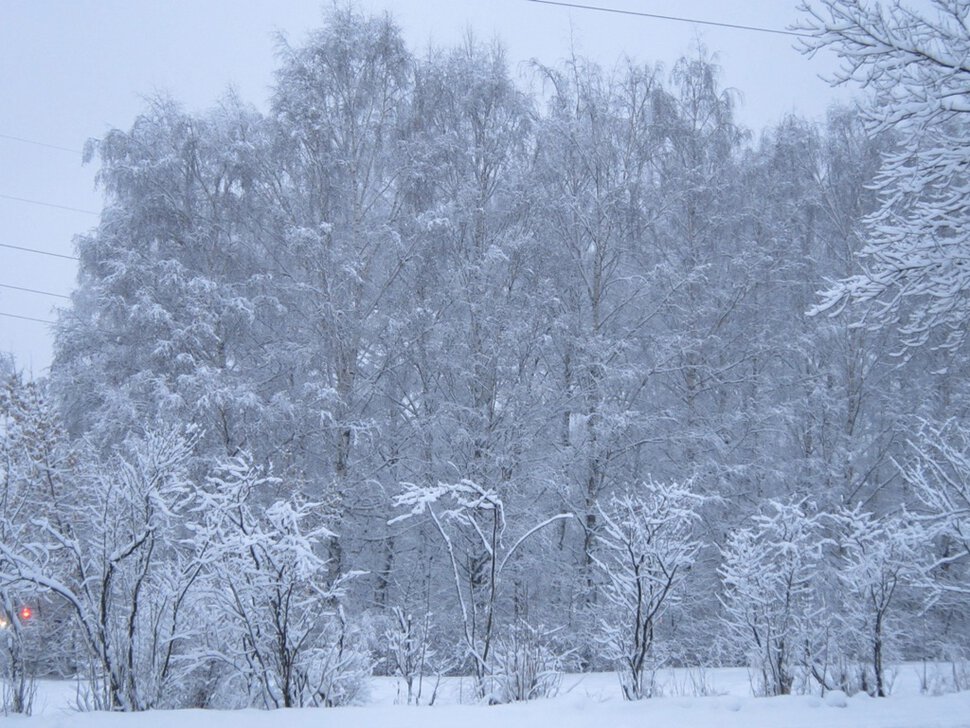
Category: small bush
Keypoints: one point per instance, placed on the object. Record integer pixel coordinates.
(526, 667)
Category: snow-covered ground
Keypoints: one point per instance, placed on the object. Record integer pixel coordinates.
(585, 700)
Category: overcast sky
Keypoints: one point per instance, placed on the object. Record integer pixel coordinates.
(71, 69)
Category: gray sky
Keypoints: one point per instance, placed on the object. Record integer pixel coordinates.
(71, 69)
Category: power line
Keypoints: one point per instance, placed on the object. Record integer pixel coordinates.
(36, 143)
(33, 290)
(26, 318)
(39, 252)
(676, 18)
(48, 204)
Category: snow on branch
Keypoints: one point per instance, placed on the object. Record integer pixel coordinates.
(915, 266)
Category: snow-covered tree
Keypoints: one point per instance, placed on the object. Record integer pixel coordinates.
(835, 402)
(160, 318)
(938, 470)
(915, 259)
(647, 545)
(595, 172)
(339, 110)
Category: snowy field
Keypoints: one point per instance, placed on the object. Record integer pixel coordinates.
(585, 700)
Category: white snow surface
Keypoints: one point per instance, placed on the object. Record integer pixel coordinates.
(586, 701)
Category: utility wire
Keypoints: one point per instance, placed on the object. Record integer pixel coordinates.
(655, 16)
(39, 252)
(26, 318)
(22, 140)
(34, 290)
(48, 204)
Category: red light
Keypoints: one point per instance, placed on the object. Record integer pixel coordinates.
(26, 613)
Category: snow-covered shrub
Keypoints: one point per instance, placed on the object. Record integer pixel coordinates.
(878, 558)
(526, 666)
(113, 554)
(339, 669)
(212, 684)
(269, 588)
(844, 669)
(470, 517)
(19, 647)
(691, 682)
(409, 653)
(770, 571)
(31, 477)
(939, 678)
(647, 546)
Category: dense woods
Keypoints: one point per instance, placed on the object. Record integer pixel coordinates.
(432, 369)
